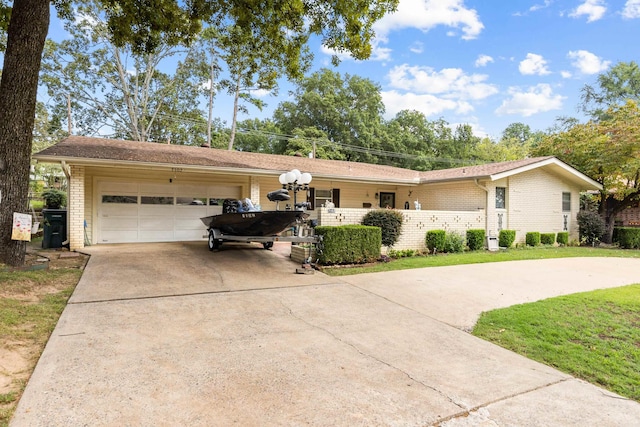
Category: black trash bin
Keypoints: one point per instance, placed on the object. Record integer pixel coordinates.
(55, 228)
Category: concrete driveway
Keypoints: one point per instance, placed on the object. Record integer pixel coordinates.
(172, 334)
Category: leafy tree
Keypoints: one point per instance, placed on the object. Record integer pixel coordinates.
(615, 87)
(609, 152)
(347, 109)
(343, 26)
(254, 64)
(456, 148)
(410, 132)
(312, 140)
(115, 88)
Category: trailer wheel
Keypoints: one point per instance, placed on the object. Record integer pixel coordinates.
(213, 242)
(267, 245)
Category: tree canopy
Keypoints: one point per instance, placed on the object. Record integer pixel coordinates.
(342, 26)
(607, 150)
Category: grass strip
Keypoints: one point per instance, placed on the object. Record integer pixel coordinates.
(594, 335)
(477, 257)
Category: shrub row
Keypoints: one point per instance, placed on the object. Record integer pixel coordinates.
(627, 237)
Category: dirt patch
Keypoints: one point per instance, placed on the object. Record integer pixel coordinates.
(45, 272)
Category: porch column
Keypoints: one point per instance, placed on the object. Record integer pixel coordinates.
(75, 208)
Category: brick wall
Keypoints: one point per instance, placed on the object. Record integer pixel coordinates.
(415, 225)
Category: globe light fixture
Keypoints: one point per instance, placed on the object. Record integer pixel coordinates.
(295, 181)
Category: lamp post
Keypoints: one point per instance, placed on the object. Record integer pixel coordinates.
(295, 181)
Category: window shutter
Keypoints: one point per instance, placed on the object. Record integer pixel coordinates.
(312, 198)
(335, 196)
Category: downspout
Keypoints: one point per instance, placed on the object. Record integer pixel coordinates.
(486, 205)
(67, 173)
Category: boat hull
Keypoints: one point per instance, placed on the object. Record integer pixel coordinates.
(258, 223)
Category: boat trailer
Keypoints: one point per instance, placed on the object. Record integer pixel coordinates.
(216, 237)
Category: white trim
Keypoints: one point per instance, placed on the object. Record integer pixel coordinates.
(546, 162)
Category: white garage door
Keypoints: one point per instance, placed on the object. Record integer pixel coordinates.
(145, 212)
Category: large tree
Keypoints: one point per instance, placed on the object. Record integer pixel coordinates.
(343, 26)
(120, 92)
(348, 110)
(607, 150)
(614, 87)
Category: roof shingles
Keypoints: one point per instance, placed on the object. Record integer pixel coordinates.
(84, 149)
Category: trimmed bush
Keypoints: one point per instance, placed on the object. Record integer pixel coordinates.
(348, 244)
(506, 238)
(563, 238)
(547, 238)
(435, 240)
(475, 239)
(591, 227)
(627, 237)
(54, 199)
(533, 238)
(389, 221)
(454, 242)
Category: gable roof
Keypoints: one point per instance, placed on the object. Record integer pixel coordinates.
(496, 171)
(84, 150)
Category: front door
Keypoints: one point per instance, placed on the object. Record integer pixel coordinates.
(388, 200)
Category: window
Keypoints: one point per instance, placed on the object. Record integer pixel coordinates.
(317, 197)
(119, 199)
(191, 201)
(322, 197)
(156, 200)
(566, 202)
(501, 195)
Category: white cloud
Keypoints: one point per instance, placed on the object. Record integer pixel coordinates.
(452, 83)
(483, 60)
(594, 9)
(378, 53)
(535, 7)
(428, 14)
(534, 64)
(537, 99)
(427, 104)
(566, 74)
(260, 93)
(587, 62)
(631, 9)
(417, 47)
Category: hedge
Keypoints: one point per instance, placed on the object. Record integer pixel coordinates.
(506, 238)
(627, 237)
(533, 238)
(475, 239)
(563, 238)
(435, 240)
(547, 238)
(349, 244)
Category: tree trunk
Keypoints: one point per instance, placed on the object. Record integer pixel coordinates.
(18, 89)
(235, 115)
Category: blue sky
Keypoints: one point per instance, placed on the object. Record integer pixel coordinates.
(485, 63)
(492, 63)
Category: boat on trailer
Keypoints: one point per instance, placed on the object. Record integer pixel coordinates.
(241, 221)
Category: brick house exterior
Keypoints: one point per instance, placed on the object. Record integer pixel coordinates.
(126, 191)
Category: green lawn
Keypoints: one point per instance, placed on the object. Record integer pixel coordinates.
(482, 257)
(593, 335)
